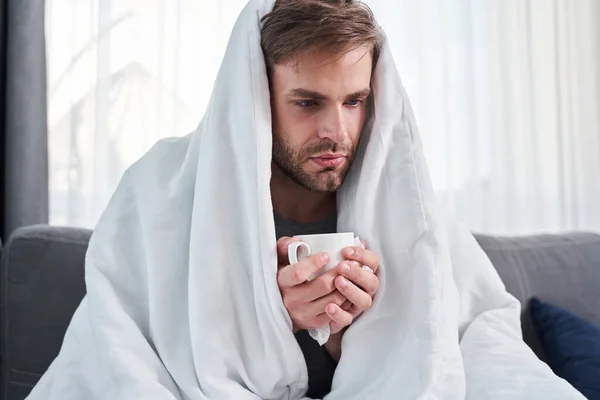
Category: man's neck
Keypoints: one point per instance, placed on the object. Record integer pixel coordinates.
(297, 203)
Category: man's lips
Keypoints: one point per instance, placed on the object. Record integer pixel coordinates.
(329, 160)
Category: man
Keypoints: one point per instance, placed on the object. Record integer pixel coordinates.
(320, 76)
(189, 296)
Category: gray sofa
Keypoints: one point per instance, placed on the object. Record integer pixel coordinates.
(43, 283)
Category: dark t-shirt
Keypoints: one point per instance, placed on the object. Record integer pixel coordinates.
(318, 361)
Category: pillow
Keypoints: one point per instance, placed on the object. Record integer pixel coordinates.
(571, 345)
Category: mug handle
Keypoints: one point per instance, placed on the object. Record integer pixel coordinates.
(293, 251)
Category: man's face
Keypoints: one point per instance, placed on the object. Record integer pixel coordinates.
(318, 110)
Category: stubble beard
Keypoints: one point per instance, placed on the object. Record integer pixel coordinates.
(325, 180)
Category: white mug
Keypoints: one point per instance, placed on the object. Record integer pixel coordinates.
(330, 243)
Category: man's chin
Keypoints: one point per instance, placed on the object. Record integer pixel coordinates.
(316, 180)
(325, 181)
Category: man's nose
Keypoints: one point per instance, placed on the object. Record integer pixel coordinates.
(332, 126)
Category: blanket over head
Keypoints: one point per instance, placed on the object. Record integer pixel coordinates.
(182, 298)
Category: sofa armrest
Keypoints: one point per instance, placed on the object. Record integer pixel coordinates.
(42, 284)
(563, 269)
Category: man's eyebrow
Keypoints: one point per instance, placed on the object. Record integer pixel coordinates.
(361, 93)
(319, 96)
(299, 92)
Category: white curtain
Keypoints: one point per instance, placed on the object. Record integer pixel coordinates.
(506, 94)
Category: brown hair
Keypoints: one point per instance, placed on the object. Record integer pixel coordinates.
(298, 27)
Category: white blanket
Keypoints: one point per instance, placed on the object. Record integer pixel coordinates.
(182, 300)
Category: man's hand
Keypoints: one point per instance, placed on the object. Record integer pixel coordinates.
(358, 285)
(305, 300)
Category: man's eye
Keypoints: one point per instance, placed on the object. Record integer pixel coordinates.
(305, 103)
(354, 102)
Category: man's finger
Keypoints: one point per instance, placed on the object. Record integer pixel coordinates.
(335, 297)
(354, 311)
(362, 256)
(297, 274)
(322, 286)
(346, 306)
(359, 298)
(339, 318)
(300, 298)
(356, 274)
(320, 320)
(282, 249)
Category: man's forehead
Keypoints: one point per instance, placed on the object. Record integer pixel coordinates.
(319, 61)
(346, 75)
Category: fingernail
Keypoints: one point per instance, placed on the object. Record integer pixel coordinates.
(324, 257)
(345, 268)
(331, 309)
(343, 283)
(349, 251)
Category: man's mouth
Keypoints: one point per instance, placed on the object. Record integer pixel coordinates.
(329, 160)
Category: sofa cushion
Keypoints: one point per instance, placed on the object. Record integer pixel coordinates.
(42, 285)
(561, 269)
(571, 345)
